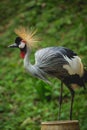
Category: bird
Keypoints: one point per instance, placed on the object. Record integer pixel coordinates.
(55, 61)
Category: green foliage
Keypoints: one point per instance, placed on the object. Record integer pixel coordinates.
(24, 100)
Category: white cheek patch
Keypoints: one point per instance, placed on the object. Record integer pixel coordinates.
(75, 66)
(22, 45)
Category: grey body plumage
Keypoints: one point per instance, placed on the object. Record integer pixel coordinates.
(51, 61)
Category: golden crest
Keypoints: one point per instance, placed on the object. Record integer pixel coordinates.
(28, 36)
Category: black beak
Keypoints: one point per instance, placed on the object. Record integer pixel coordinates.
(13, 45)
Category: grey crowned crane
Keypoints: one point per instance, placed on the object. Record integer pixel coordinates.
(59, 62)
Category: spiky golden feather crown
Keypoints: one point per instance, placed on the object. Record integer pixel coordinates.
(28, 36)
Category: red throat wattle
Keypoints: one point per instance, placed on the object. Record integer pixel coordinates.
(22, 54)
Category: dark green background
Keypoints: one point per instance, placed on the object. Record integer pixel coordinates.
(25, 101)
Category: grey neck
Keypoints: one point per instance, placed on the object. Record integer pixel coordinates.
(27, 63)
(28, 66)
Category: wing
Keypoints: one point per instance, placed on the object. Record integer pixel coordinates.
(53, 51)
(58, 62)
(51, 60)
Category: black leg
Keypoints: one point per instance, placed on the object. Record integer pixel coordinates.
(72, 100)
(60, 99)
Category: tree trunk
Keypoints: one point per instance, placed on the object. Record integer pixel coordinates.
(60, 125)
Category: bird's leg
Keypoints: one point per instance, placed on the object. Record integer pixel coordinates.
(72, 100)
(60, 100)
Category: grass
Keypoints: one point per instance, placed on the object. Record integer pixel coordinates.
(25, 101)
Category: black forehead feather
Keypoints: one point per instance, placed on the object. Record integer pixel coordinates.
(17, 40)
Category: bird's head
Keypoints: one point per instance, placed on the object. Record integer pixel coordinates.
(24, 41)
(21, 44)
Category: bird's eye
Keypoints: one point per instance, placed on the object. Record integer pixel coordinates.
(22, 45)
